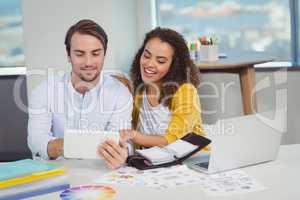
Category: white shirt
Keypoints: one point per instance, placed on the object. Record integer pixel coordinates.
(55, 105)
(153, 119)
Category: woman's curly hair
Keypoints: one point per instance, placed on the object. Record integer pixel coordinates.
(182, 69)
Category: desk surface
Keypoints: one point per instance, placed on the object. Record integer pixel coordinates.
(8, 71)
(235, 61)
(281, 177)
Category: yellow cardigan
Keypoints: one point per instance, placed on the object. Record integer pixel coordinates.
(185, 113)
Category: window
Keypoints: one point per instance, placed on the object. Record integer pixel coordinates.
(297, 15)
(11, 45)
(241, 25)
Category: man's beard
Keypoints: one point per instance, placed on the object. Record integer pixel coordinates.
(83, 78)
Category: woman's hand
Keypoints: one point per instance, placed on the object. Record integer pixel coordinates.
(126, 135)
(114, 154)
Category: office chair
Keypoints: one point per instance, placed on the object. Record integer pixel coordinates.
(13, 118)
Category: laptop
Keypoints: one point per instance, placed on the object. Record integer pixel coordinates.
(238, 142)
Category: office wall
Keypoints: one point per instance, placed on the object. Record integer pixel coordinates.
(221, 98)
(45, 24)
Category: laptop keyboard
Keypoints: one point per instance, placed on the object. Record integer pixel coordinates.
(203, 164)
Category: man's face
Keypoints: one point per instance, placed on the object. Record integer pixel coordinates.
(86, 57)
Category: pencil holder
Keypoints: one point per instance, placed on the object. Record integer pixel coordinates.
(208, 53)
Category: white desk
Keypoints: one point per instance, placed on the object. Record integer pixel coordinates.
(281, 177)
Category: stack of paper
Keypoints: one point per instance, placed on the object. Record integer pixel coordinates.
(25, 178)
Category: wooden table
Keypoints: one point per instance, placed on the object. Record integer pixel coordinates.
(243, 64)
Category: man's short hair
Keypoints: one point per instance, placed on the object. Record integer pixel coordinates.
(89, 27)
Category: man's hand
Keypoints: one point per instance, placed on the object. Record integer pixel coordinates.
(114, 155)
(56, 148)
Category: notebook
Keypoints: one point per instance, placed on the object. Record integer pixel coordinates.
(35, 188)
(178, 149)
(24, 167)
(173, 154)
(30, 178)
(26, 178)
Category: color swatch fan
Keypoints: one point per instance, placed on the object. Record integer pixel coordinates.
(88, 192)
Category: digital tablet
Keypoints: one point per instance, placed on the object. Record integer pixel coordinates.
(83, 144)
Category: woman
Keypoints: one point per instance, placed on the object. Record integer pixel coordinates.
(166, 103)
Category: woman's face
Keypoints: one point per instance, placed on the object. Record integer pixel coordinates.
(155, 61)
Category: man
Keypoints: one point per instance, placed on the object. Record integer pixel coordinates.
(85, 98)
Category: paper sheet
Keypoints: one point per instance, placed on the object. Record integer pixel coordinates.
(220, 184)
(161, 178)
(229, 183)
